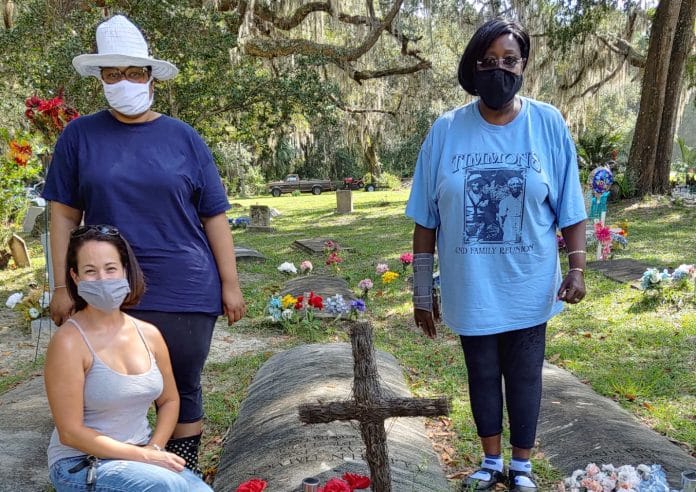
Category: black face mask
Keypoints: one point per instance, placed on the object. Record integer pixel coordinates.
(497, 87)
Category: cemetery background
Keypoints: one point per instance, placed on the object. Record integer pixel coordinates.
(637, 350)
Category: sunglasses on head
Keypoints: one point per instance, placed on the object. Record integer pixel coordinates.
(103, 229)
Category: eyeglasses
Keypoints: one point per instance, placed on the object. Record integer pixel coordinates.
(112, 75)
(103, 229)
(506, 63)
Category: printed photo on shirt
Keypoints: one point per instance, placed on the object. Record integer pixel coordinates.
(493, 205)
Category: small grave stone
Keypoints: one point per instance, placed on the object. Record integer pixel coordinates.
(19, 251)
(30, 218)
(322, 285)
(275, 213)
(260, 218)
(242, 253)
(41, 223)
(344, 201)
(625, 270)
(269, 441)
(316, 245)
(42, 326)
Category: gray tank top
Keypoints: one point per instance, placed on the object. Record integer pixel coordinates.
(115, 404)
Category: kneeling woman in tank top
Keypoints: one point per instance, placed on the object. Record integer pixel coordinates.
(103, 371)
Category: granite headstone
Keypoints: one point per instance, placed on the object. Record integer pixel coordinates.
(260, 216)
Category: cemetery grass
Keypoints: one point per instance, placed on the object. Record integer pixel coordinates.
(638, 351)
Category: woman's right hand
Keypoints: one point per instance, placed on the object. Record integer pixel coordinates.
(165, 459)
(61, 306)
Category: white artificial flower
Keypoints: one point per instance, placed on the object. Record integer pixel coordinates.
(13, 300)
(287, 267)
(287, 314)
(33, 313)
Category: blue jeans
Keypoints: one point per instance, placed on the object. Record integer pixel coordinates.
(124, 476)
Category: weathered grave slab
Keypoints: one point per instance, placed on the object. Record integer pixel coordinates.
(314, 245)
(625, 270)
(30, 218)
(243, 253)
(344, 201)
(41, 222)
(25, 429)
(18, 249)
(577, 426)
(268, 440)
(260, 218)
(322, 285)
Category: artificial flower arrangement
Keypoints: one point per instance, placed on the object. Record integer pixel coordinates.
(33, 305)
(406, 259)
(331, 248)
(608, 478)
(306, 267)
(295, 312)
(609, 237)
(654, 280)
(347, 483)
(365, 285)
(287, 267)
(239, 222)
(49, 116)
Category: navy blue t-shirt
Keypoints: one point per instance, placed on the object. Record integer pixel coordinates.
(154, 181)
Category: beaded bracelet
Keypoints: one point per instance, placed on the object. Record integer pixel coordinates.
(577, 251)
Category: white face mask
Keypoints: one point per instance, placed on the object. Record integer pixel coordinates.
(129, 98)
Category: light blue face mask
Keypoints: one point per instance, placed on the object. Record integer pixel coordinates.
(105, 294)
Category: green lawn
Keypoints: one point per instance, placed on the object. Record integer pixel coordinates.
(638, 351)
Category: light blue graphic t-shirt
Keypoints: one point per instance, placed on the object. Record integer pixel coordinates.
(496, 194)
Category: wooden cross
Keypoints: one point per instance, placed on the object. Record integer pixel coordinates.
(371, 408)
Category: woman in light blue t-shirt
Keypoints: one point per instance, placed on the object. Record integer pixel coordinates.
(494, 181)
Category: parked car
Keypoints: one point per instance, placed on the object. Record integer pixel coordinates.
(293, 182)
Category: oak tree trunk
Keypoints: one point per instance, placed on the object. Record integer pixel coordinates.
(681, 47)
(643, 153)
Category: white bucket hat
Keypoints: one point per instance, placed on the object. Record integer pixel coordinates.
(121, 44)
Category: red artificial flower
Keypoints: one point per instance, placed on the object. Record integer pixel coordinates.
(406, 258)
(253, 485)
(602, 233)
(335, 485)
(356, 481)
(299, 302)
(48, 105)
(333, 259)
(316, 301)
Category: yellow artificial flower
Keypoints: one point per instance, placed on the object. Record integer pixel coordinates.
(288, 301)
(389, 277)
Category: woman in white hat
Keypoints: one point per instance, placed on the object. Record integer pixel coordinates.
(154, 178)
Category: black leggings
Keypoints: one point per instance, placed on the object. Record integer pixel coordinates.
(517, 356)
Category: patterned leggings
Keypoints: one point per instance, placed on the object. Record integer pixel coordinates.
(516, 357)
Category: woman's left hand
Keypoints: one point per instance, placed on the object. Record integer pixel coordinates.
(572, 288)
(233, 304)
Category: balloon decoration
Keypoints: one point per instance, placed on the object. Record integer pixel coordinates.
(601, 180)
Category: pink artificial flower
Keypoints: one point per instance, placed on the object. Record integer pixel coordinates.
(253, 485)
(602, 233)
(365, 284)
(381, 268)
(333, 258)
(306, 266)
(357, 482)
(406, 259)
(335, 485)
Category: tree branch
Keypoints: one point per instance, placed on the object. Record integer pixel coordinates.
(342, 106)
(623, 47)
(361, 75)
